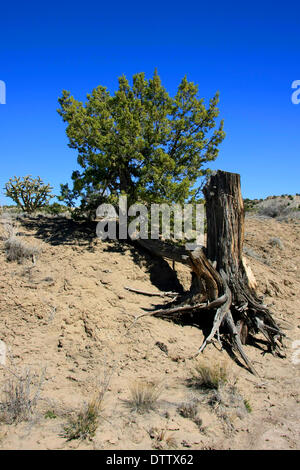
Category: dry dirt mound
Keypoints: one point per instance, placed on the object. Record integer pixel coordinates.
(67, 313)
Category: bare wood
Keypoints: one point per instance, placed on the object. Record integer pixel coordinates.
(219, 317)
(152, 294)
(237, 342)
(183, 309)
(165, 250)
(225, 238)
(221, 278)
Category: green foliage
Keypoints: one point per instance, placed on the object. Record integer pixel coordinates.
(28, 193)
(249, 204)
(248, 406)
(50, 415)
(140, 142)
(56, 209)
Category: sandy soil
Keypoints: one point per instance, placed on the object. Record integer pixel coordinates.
(69, 315)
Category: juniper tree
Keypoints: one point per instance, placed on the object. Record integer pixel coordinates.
(140, 141)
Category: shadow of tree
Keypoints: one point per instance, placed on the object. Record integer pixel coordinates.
(63, 231)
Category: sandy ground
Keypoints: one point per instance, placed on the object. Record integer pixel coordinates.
(69, 316)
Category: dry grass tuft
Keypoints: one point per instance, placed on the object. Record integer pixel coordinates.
(144, 396)
(161, 440)
(209, 377)
(188, 410)
(84, 424)
(276, 242)
(16, 249)
(20, 396)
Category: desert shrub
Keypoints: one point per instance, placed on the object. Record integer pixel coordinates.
(55, 209)
(17, 250)
(249, 204)
(9, 227)
(276, 242)
(188, 410)
(144, 396)
(20, 396)
(278, 208)
(272, 208)
(228, 400)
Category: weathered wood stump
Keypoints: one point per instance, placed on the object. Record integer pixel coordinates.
(220, 280)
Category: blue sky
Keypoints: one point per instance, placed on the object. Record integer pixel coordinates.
(250, 53)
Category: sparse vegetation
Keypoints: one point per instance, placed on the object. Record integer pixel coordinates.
(209, 377)
(188, 410)
(248, 406)
(276, 242)
(84, 424)
(161, 440)
(50, 415)
(279, 207)
(56, 209)
(16, 249)
(144, 396)
(20, 396)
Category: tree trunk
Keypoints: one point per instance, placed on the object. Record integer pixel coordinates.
(220, 279)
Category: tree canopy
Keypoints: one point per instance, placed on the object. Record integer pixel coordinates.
(140, 141)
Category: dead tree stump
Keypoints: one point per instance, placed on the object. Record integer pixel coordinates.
(220, 281)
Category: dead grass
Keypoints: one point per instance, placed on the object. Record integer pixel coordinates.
(20, 396)
(162, 440)
(276, 242)
(188, 410)
(209, 377)
(84, 423)
(17, 250)
(15, 247)
(144, 396)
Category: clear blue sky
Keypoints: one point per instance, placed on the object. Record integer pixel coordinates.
(250, 53)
